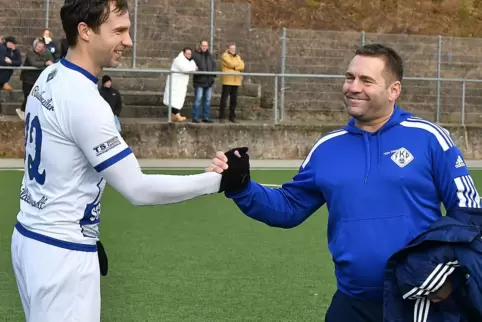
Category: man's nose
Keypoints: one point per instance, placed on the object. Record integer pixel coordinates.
(355, 86)
(127, 41)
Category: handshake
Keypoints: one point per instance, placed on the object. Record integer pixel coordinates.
(233, 165)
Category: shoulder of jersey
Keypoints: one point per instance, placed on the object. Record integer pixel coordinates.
(71, 82)
(330, 136)
(430, 129)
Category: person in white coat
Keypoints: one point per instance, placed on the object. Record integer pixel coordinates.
(182, 63)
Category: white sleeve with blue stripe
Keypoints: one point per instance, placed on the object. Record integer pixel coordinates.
(109, 154)
(93, 130)
(452, 177)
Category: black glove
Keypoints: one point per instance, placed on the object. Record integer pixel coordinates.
(237, 176)
(103, 263)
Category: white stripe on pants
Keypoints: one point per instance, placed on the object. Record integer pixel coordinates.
(56, 284)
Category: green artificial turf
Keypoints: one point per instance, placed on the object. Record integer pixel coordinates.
(201, 260)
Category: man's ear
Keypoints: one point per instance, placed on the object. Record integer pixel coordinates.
(84, 31)
(395, 91)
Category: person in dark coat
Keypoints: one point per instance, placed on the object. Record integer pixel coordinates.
(113, 97)
(203, 83)
(9, 56)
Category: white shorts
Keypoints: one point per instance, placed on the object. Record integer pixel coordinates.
(56, 284)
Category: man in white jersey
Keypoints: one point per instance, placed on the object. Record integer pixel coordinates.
(72, 148)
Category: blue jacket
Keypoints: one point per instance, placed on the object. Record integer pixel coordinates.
(450, 250)
(381, 189)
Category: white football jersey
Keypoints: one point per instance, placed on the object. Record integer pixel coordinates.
(70, 137)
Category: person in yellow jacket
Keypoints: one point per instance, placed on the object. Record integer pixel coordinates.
(230, 62)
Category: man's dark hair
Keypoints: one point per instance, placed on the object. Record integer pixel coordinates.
(91, 12)
(393, 61)
(186, 49)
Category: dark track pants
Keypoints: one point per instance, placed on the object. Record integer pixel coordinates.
(344, 308)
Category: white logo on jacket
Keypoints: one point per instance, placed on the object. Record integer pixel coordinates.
(459, 163)
(402, 157)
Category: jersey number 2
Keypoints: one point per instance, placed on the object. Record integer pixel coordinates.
(33, 130)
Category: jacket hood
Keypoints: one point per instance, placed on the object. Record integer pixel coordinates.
(397, 117)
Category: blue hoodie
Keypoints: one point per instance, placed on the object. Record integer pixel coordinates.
(381, 189)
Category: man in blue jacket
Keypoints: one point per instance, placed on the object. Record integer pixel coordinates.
(383, 177)
(438, 276)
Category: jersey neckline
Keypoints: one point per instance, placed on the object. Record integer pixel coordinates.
(79, 69)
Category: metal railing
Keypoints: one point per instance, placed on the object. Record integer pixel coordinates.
(278, 92)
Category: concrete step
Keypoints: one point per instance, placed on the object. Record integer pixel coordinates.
(156, 98)
(15, 96)
(162, 112)
(307, 116)
(157, 112)
(152, 82)
(144, 98)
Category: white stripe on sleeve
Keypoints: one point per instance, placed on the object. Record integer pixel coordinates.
(421, 309)
(466, 192)
(433, 282)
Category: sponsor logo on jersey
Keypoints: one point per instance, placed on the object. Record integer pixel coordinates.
(106, 146)
(51, 75)
(27, 197)
(46, 102)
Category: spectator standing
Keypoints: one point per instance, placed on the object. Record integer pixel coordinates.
(182, 63)
(10, 57)
(232, 63)
(203, 83)
(38, 56)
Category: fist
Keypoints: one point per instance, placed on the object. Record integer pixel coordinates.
(220, 163)
(234, 168)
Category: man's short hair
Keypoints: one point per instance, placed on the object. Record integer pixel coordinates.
(91, 12)
(38, 40)
(10, 39)
(105, 79)
(186, 49)
(393, 61)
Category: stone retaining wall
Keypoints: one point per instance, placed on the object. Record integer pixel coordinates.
(151, 139)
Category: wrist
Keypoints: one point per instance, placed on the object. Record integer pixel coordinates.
(238, 191)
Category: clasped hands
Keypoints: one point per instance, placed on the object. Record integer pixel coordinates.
(234, 167)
